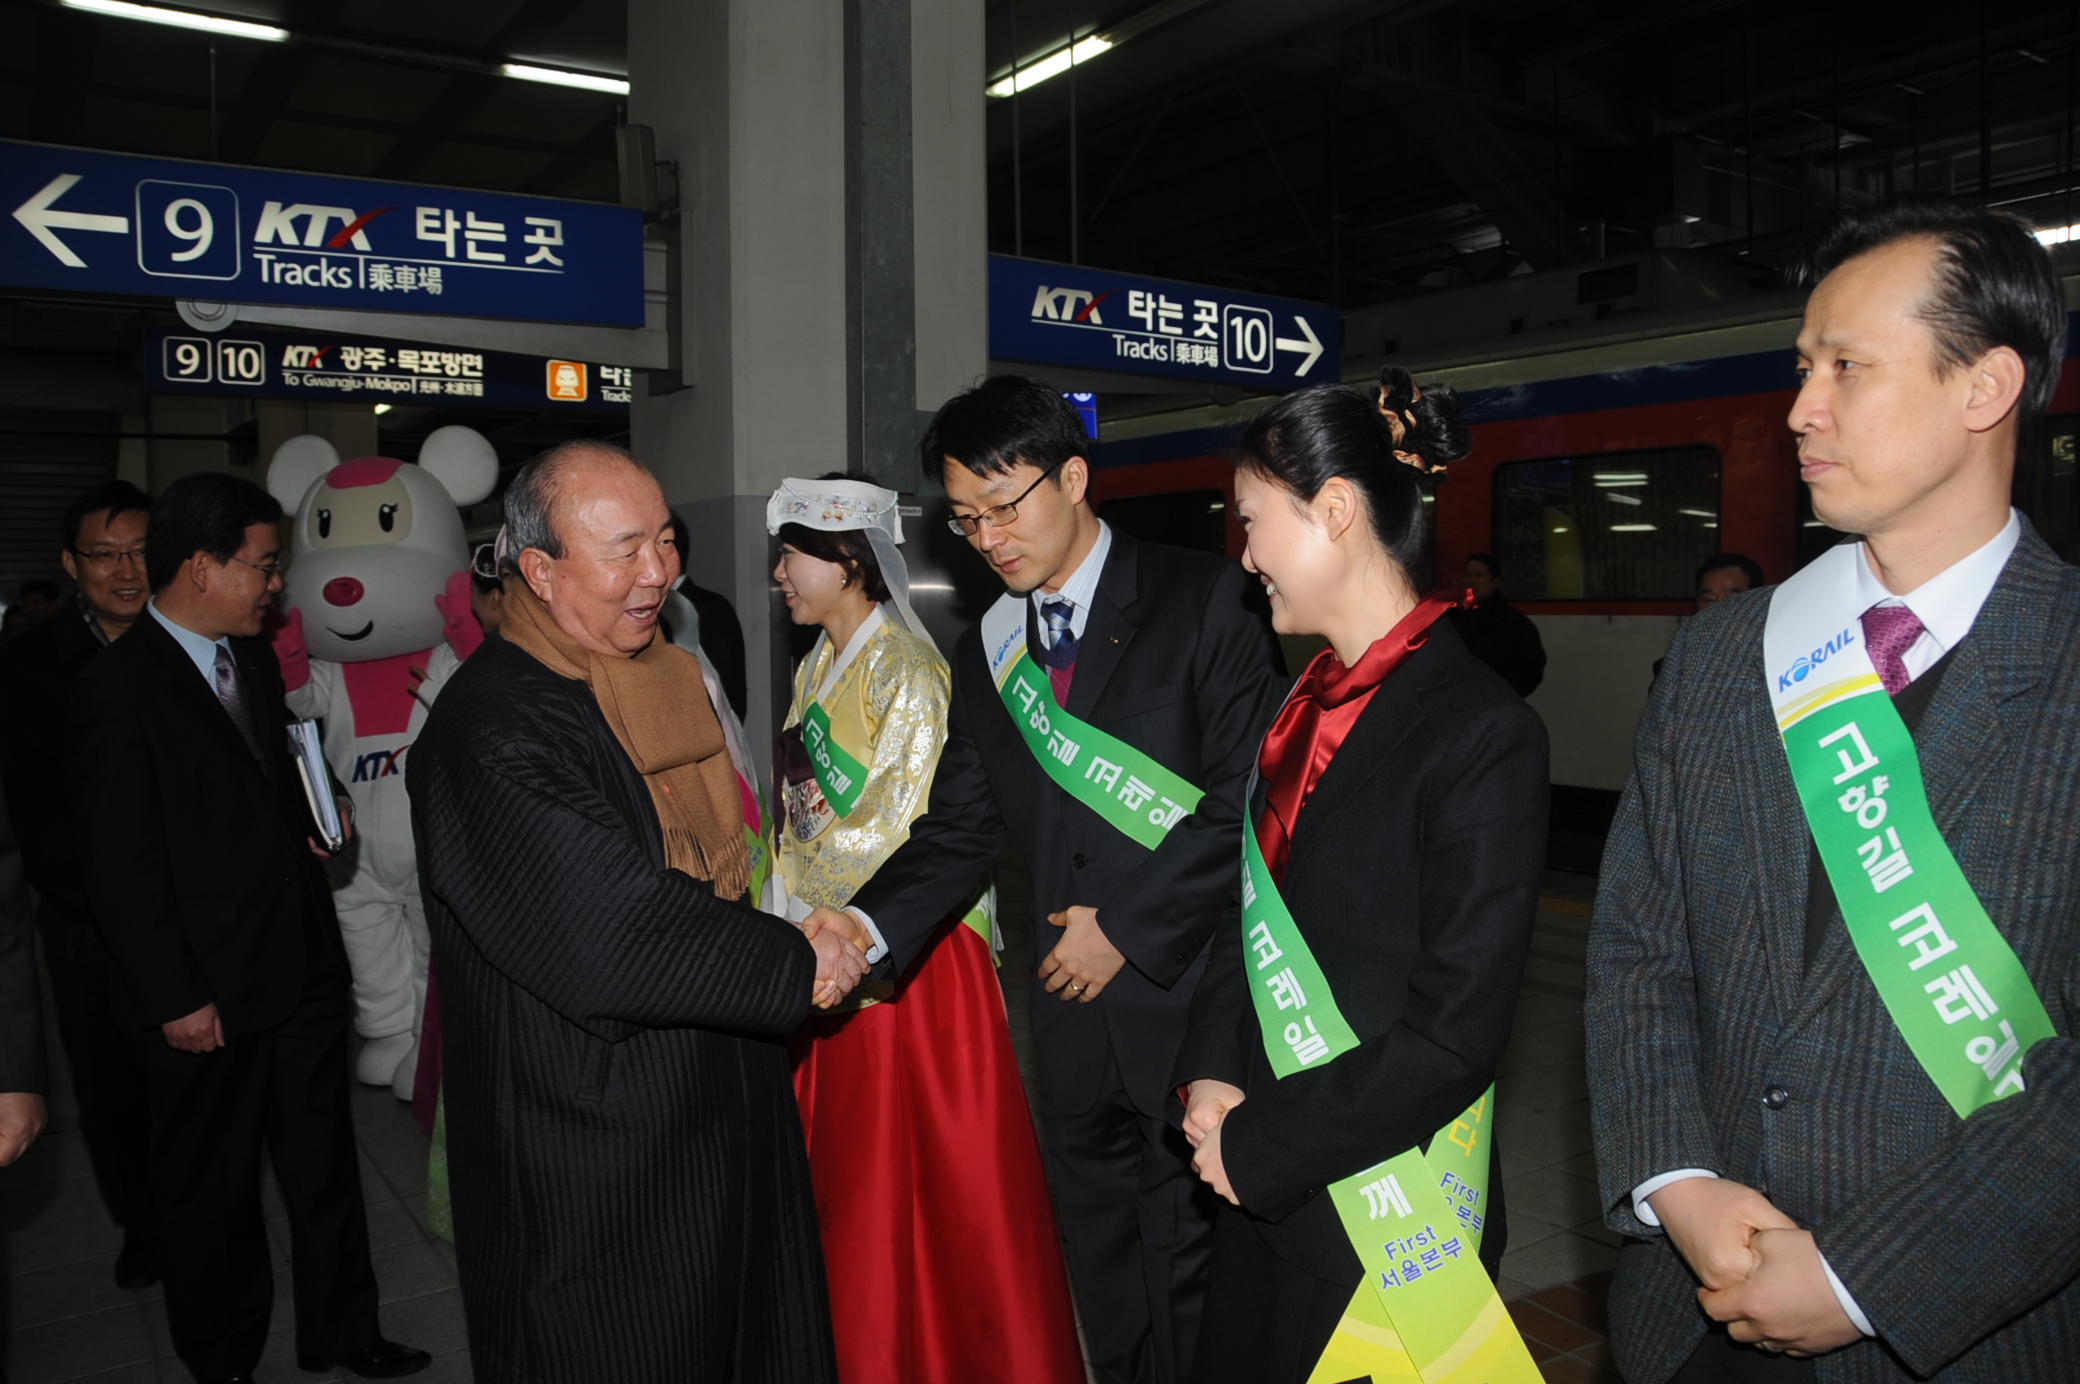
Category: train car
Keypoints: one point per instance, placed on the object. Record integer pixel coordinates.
(1602, 473)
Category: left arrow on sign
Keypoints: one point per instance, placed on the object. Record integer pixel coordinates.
(1311, 348)
(39, 220)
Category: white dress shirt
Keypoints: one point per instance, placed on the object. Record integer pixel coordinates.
(1079, 591)
(199, 647)
(1946, 604)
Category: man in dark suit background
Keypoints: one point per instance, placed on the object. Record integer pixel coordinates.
(104, 555)
(1762, 1126)
(1158, 647)
(24, 1078)
(228, 970)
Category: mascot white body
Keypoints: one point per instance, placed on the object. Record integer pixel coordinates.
(371, 594)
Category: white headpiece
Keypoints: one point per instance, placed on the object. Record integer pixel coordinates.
(842, 506)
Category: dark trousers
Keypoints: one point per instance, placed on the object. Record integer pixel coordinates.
(1139, 1224)
(285, 1088)
(1267, 1320)
(1719, 1359)
(115, 1115)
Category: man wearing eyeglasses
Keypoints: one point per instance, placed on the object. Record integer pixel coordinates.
(104, 555)
(1158, 650)
(230, 978)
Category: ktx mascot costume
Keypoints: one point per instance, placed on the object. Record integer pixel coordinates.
(378, 580)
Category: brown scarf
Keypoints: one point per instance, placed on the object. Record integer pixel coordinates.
(657, 706)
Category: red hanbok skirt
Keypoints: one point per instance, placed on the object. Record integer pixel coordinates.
(938, 1231)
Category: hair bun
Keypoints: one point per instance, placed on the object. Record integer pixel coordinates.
(1422, 421)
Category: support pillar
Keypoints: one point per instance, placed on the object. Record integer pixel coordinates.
(818, 143)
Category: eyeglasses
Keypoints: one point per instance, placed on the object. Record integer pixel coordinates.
(107, 560)
(997, 516)
(269, 570)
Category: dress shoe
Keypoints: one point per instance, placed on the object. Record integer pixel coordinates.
(138, 1265)
(383, 1360)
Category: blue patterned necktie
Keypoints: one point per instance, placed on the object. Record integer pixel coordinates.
(232, 695)
(1061, 651)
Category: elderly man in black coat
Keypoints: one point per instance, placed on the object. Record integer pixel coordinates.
(631, 1190)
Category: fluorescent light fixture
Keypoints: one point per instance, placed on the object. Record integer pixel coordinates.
(181, 19)
(1632, 528)
(382, 409)
(2058, 235)
(1053, 65)
(1624, 499)
(1698, 513)
(1813, 524)
(1559, 528)
(1711, 524)
(557, 76)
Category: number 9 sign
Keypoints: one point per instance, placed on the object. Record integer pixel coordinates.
(187, 230)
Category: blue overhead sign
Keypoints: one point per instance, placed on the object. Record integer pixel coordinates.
(1059, 314)
(113, 223)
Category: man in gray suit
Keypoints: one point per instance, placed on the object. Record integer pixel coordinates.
(1781, 1113)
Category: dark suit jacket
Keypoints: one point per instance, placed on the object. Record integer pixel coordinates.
(1503, 637)
(21, 1002)
(1959, 1239)
(1414, 875)
(35, 671)
(1174, 662)
(194, 859)
(632, 1196)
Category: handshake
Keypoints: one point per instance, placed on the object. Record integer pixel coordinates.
(841, 942)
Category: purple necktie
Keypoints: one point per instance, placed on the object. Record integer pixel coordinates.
(1888, 632)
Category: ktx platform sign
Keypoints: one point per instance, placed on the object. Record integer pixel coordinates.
(112, 223)
(1058, 314)
(377, 370)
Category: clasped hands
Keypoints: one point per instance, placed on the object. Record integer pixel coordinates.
(841, 942)
(1206, 1105)
(1762, 1274)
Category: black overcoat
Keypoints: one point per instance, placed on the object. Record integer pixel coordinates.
(631, 1191)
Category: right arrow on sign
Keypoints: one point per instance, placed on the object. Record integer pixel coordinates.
(39, 220)
(1310, 348)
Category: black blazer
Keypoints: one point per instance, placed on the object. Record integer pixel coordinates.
(193, 854)
(21, 1003)
(1174, 661)
(35, 670)
(1414, 875)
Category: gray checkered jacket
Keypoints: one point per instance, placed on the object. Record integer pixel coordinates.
(1959, 1239)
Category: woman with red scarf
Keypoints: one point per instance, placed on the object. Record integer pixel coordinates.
(1400, 822)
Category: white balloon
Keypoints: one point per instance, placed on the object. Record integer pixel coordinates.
(295, 465)
(462, 460)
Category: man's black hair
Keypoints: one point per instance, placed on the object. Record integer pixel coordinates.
(109, 499)
(1002, 422)
(1488, 560)
(207, 512)
(1741, 560)
(1994, 285)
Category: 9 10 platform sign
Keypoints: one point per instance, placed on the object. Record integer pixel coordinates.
(1058, 314)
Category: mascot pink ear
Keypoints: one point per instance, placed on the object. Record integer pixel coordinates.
(458, 616)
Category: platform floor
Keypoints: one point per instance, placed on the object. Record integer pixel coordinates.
(64, 1319)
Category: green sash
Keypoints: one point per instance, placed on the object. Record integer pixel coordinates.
(841, 777)
(1123, 785)
(1427, 1309)
(1950, 981)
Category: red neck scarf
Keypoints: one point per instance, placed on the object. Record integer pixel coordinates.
(1316, 718)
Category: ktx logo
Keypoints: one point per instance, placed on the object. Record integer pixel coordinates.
(278, 226)
(378, 764)
(1068, 305)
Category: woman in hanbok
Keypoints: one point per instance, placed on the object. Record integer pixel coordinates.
(1345, 1037)
(944, 1262)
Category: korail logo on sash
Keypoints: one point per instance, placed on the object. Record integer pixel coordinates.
(1950, 981)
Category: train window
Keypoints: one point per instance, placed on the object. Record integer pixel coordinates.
(1622, 526)
(1182, 518)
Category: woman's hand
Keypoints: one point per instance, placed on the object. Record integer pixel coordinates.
(1206, 1104)
(1207, 1163)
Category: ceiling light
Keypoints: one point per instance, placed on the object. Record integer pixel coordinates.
(382, 409)
(1625, 499)
(1053, 65)
(1698, 513)
(2057, 235)
(557, 76)
(181, 19)
(1632, 528)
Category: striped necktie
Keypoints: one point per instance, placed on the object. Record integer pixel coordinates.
(233, 696)
(1061, 649)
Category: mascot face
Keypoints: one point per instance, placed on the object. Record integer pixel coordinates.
(376, 540)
